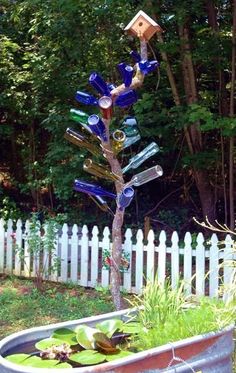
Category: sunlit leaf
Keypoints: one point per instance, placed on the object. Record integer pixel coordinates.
(65, 335)
(63, 366)
(46, 343)
(110, 326)
(32, 361)
(88, 357)
(17, 358)
(119, 355)
(85, 336)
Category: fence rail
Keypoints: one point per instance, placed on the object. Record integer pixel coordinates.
(204, 265)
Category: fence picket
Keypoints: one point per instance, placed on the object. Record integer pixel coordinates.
(18, 242)
(64, 253)
(200, 265)
(84, 257)
(139, 262)
(27, 255)
(174, 260)
(127, 285)
(46, 260)
(2, 245)
(228, 266)
(74, 254)
(214, 267)
(150, 256)
(94, 256)
(187, 263)
(105, 246)
(9, 254)
(161, 270)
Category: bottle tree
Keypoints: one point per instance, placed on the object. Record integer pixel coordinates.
(97, 138)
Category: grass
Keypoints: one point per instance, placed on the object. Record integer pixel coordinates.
(22, 306)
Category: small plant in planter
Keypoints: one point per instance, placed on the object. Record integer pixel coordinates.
(166, 315)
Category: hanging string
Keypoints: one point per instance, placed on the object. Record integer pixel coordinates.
(176, 358)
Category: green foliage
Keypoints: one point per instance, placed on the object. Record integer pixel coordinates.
(167, 315)
(48, 49)
(173, 218)
(41, 241)
(9, 209)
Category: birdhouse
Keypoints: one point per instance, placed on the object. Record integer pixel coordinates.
(143, 26)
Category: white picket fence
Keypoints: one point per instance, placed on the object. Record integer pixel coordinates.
(207, 263)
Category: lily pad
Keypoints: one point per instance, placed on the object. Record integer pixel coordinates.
(63, 366)
(88, 357)
(119, 355)
(110, 326)
(85, 336)
(65, 334)
(46, 343)
(17, 358)
(32, 361)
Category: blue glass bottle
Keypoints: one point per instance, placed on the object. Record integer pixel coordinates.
(130, 126)
(97, 126)
(126, 98)
(125, 197)
(111, 86)
(136, 56)
(96, 190)
(121, 67)
(148, 66)
(85, 98)
(99, 84)
(128, 75)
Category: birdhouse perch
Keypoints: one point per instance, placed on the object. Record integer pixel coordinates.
(142, 26)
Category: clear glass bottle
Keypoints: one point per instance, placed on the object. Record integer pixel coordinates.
(139, 158)
(146, 176)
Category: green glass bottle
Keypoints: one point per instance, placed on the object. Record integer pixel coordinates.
(80, 117)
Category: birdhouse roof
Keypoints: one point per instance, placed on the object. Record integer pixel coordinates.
(148, 19)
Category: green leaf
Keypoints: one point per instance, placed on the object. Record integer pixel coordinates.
(17, 358)
(110, 326)
(85, 336)
(65, 335)
(49, 342)
(119, 355)
(32, 361)
(63, 366)
(88, 357)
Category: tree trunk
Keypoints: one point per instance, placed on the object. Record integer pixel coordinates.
(231, 114)
(195, 137)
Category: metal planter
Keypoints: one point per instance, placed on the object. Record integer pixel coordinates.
(206, 353)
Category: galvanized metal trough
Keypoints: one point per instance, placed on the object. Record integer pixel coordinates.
(208, 353)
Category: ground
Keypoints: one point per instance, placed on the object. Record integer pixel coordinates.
(23, 306)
